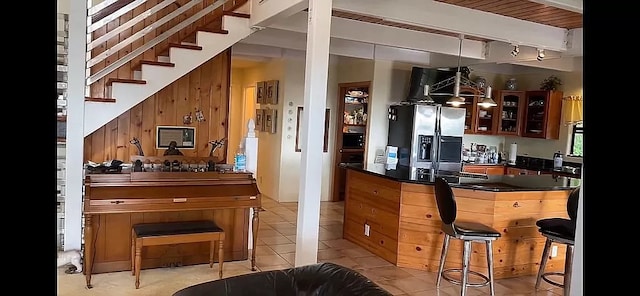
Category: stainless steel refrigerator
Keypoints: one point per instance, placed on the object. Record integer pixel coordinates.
(428, 137)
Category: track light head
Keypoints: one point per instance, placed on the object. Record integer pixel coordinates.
(540, 56)
(515, 51)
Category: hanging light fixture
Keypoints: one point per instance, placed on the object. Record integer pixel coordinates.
(457, 100)
(427, 98)
(487, 101)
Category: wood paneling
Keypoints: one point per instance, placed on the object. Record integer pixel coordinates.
(418, 236)
(205, 88)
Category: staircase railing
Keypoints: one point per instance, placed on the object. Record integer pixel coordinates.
(103, 17)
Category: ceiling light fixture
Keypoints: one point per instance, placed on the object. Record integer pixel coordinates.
(457, 100)
(540, 56)
(427, 98)
(487, 101)
(515, 51)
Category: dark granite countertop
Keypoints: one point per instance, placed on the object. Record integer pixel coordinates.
(498, 183)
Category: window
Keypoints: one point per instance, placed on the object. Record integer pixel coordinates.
(576, 140)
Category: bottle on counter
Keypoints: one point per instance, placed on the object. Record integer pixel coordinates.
(557, 161)
(240, 160)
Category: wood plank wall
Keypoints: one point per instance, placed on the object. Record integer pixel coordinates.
(205, 88)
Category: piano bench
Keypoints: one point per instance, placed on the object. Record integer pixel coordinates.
(169, 233)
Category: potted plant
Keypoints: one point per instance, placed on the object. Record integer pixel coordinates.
(550, 83)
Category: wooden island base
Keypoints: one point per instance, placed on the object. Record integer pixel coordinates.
(405, 224)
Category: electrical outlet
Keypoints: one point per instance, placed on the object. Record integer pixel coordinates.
(554, 251)
(367, 229)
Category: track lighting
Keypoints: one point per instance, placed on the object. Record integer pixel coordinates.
(516, 50)
(540, 54)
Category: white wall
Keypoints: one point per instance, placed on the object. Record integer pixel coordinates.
(236, 109)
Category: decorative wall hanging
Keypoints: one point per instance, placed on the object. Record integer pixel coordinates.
(270, 116)
(184, 136)
(260, 92)
(187, 118)
(199, 115)
(260, 120)
(272, 92)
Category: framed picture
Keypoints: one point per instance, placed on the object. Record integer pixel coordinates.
(272, 92)
(325, 144)
(260, 120)
(184, 136)
(270, 116)
(260, 93)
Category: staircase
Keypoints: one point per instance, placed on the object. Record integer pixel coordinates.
(202, 31)
(61, 66)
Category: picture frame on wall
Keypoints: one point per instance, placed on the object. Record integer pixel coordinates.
(272, 92)
(270, 116)
(260, 92)
(260, 120)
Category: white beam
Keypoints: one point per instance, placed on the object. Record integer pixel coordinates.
(389, 36)
(265, 12)
(571, 5)
(447, 17)
(315, 96)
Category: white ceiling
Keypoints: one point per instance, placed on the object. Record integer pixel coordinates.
(352, 38)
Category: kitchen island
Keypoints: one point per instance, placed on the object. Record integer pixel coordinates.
(393, 214)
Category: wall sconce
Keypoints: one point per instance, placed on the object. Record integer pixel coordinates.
(515, 51)
(540, 54)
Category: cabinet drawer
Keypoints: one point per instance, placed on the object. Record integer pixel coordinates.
(495, 170)
(474, 169)
(124, 205)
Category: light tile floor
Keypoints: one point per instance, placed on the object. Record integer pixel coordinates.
(276, 250)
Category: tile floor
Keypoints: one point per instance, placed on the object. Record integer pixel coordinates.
(276, 250)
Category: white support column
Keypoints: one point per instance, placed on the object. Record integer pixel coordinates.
(315, 96)
(578, 253)
(75, 124)
(251, 153)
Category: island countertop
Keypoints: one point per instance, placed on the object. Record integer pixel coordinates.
(496, 183)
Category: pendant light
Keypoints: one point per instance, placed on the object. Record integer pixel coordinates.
(457, 100)
(427, 98)
(487, 101)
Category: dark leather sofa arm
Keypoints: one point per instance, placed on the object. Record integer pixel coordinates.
(317, 279)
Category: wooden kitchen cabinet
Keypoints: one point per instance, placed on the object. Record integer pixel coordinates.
(484, 169)
(470, 96)
(517, 171)
(510, 109)
(542, 112)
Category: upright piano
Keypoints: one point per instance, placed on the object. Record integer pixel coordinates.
(115, 202)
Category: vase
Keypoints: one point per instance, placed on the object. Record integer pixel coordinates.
(511, 84)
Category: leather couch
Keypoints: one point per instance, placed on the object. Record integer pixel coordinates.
(316, 279)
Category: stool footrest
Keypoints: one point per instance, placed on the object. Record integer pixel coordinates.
(552, 282)
(485, 279)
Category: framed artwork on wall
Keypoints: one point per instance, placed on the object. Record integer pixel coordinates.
(272, 92)
(260, 120)
(270, 116)
(325, 144)
(260, 92)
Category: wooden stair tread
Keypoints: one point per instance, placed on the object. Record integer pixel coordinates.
(238, 14)
(185, 46)
(100, 100)
(157, 63)
(219, 31)
(110, 81)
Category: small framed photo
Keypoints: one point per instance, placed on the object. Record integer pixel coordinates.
(272, 92)
(260, 92)
(270, 117)
(260, 120)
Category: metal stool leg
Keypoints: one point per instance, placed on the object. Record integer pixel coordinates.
(443, 255)
(543, 262)
(466, 256)
(490, 266)
(568, 263)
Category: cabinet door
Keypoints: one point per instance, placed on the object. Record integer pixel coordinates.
(485, 123)
(470, 97)
(510, 110)
(477, 169)
(542, 114)
(495, 170)
(516, 171)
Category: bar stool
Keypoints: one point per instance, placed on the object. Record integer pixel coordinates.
(468, 232)
(561, 231)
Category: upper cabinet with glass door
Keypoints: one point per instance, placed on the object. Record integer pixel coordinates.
(510, 108)
(542, 112)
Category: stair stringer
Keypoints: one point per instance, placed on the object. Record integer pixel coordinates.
(128, 95)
